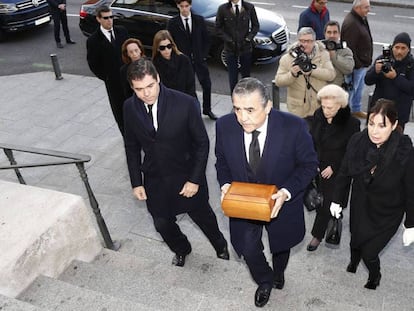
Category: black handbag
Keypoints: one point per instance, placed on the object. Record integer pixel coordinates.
(334, 231)
(313, 198)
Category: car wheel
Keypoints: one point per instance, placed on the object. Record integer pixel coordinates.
(221, 55)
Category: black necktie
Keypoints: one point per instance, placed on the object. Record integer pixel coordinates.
(112, 36)
(254, 152)
(150, 115)
(187, 27)
(237, 10)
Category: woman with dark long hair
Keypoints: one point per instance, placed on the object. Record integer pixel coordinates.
(174, 68)
(380, 163)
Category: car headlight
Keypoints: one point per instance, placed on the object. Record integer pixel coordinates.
(262, 40)
(7, 8)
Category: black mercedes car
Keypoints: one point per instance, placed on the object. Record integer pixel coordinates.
(143, 18)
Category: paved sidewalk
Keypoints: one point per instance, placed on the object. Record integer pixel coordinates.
(73, 115)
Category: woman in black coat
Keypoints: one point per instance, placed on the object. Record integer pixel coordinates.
(132, 50)
(331, 129)
(174, 68)
(380, 163)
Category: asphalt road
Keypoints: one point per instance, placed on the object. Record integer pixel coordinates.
(30, 51)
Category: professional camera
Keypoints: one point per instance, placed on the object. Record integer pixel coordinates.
(387, 60)
(302, 59)
(332, 45)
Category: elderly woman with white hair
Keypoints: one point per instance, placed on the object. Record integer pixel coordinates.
(332, 127)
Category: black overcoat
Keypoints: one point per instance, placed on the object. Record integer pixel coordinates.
(330, 141)
(379, 200)
(176, 153)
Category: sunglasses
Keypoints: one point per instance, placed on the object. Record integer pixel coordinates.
(163, 47)
(108, 17)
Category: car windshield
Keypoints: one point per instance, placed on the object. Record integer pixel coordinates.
(168, 7)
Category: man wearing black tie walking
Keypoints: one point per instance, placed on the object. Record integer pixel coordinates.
(104, 59)
(258, 144)
(166, 126)
(190, 34)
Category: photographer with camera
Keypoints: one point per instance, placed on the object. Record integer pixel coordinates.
(341, 56)
(393, 76)
(304, 70)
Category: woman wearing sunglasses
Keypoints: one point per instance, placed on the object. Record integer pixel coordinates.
(174, 68)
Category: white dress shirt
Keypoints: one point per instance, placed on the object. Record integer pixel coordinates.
(262, 139)
(183, 18)
(107, 33)
(154, 113)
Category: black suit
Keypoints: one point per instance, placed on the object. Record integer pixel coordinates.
(176, 153)
(237, 33)
(104, 60)
(196, 47)
(59, 16)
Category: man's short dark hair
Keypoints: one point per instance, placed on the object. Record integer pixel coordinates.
(139, 69)
(102, 9)
(247, 86)
(332, 23)
(179, 1)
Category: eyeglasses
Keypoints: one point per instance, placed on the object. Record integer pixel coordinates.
(163, 47)
(108, 17)
(303, 41)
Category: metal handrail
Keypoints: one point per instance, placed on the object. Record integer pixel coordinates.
(69, 158)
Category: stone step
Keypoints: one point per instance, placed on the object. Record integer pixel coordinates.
(54, 294)
(163, 286)
(323, 269)
(12, 304)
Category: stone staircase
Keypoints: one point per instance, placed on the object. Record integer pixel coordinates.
(140, 277)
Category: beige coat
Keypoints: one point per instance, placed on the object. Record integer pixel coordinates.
(301, 100)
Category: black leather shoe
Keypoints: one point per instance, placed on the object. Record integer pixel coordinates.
(312, 248)
(224, 253)
(211, 115)
(279, 280)
(262, 295)
(70, 42)
(352, 268)
(59, 45)
(373, 282)
(179, 260)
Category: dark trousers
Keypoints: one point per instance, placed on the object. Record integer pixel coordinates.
(176, 240)
(255, 259)
(322, 217)
(116, 100)
(59, 17)
(203, 75)
(233, 62)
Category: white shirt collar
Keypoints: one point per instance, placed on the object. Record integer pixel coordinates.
(107, 33)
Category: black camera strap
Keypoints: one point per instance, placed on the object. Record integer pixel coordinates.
(309, 85)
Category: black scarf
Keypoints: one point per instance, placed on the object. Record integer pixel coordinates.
(365, 158)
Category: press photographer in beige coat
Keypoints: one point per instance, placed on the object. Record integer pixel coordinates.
(304, 70)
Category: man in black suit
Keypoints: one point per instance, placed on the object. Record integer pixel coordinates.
(258, 144)
(190, 34)
(58, 11)
(237, 24)
(104, 59)
(166, 125)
